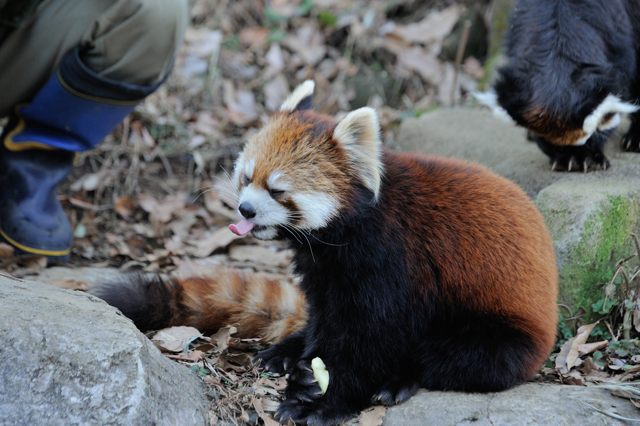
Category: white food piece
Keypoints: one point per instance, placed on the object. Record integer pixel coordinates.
(320, 373)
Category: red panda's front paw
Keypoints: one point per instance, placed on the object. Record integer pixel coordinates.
(275, 360)
(579, 161)
(302, 385)
(280, 358)
(302, 394)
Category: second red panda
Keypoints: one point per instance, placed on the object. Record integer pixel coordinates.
(418, 271)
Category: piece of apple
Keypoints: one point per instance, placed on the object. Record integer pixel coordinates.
(320, 373)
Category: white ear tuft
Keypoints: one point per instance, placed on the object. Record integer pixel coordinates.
(601, 119)
(301, 98)
(490, 99)
(359, 134)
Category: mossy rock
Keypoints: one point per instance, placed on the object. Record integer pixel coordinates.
(591, 227)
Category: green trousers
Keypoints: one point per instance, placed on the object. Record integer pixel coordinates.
(132, 41)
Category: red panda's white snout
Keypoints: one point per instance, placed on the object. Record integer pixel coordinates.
(280, 206)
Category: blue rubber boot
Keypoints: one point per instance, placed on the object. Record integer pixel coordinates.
(72, 112)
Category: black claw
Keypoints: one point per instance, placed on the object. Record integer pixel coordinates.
(304, 365)
(573, 158)
(395, 393)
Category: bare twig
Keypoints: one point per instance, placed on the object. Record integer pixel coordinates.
(462, 47)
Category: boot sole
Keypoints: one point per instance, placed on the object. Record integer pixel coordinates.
(58, 254)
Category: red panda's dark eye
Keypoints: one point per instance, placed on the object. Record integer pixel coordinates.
(607, 117)
(246, 180)
(275, 192)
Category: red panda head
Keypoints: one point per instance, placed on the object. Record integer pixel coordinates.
(299, 170)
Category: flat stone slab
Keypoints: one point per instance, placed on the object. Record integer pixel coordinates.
(529, 404)
(476, 135)
(68, 358)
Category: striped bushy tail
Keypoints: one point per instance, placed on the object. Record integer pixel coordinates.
(260, 306)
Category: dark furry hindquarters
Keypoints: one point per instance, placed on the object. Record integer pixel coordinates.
(473, 352)
(564, 58)
(147, 299)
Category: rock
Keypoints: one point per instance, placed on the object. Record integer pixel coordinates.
(529, 404)
(591, 224)
(475, 135)
(591, 216)
(68, 358)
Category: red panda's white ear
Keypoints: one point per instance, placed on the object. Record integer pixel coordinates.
(359, 134)
(607, 115)
(301, 98)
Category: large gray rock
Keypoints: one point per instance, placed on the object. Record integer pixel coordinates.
(529, 404)
(68, 358)
(591, 216)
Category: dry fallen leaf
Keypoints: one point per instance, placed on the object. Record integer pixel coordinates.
(161, 212)
(221, 337)
(89, 182)
(569, 354)
(266, 418)
(308, 43)
(175, 339)
(189, 356)
(254, 37)
(263, 255)
(275, 60)
(433, 28)
(6, 250)
(588, 348)
(275, 92)
(212, 241)
(241, 104)
(373, 416)
(426, 64)
(70, 284)
(124, 206)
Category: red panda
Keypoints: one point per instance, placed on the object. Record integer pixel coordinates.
(571, 71)
(258, 305)
(418, 271)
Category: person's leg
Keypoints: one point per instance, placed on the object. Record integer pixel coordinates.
(132, 41)
(75, 85)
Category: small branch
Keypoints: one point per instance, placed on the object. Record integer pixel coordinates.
(462, 47)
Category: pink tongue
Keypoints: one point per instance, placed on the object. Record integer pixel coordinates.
(242, 228)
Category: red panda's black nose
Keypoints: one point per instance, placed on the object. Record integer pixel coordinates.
(247, 210)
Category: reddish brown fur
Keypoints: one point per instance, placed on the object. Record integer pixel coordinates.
(457, 230)
(260, 306)
(552, 128)
(290, 140)
(465, 195)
